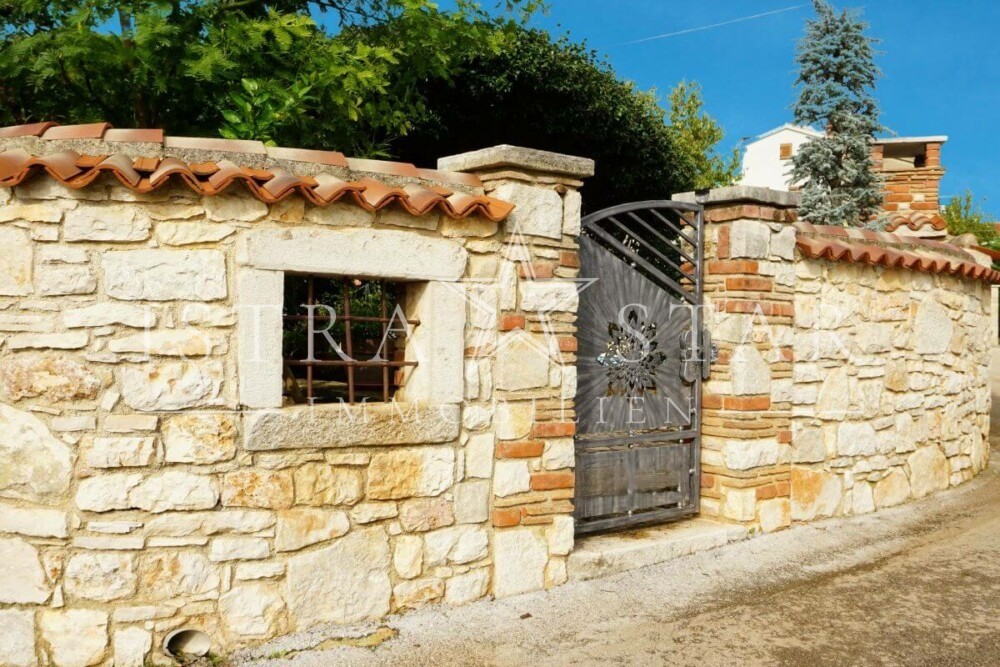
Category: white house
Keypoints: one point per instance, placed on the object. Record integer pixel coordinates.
(767, 160)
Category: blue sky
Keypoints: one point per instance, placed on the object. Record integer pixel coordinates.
(940, 59)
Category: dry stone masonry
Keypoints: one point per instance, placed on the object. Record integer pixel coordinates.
(841, 387)
(152, 480)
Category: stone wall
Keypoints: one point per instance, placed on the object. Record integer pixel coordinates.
(150, 479)
(841, 385)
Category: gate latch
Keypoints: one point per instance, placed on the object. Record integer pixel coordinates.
(694, 356)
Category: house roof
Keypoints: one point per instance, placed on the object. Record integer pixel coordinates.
(801, 129)
(890, 250)
(812, 132)
(145, 160)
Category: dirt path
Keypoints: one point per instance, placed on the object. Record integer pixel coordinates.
(915, 585)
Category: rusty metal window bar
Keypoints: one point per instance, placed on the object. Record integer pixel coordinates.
(358, 330)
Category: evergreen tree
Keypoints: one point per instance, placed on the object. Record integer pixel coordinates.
(836, 82)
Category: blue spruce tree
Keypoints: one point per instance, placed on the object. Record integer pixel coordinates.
(836, 83)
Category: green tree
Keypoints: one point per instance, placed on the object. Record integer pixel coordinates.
(696, 134)
(837, 75)
(555, 95)
(966, 216)
(256, 68)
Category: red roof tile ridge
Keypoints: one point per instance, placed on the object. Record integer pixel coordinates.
(890, 250)
(254, 153)
(144, 175)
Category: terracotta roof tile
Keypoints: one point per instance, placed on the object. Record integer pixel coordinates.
(886, 249)
(134, 135)
(332, 158)
(210, 178)
(915, 220)
(215, 145)
(88, 131)
(30, 130)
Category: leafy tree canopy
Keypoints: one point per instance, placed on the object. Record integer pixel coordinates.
(379, 78)
(836, 81)
(964, 215)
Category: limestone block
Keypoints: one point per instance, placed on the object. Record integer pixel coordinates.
(458, 544)
(872, 338)
(53, 377)
(403, 473)
(164, 575)
(252, 610)
(437, 344)
(522, 361)
(119, 452)
(834, 395)
(465, 588)
(104, 314)
(106, 492)
(22, 580)
(893, 489)
(170, 386)
(372, 512)
(932, 328)
(384, 253)
(560, 535)
(101, 576)
(862, 498)
(131, 646)
(548, 296)
(514, 420)
(321, 484)
(36, 466)
(739, 504)
(72, 340)
(18, 322)
(572, 202)
(511, 477)
(538, 211)
(228, 208)
(746, 454)
(32, 521)
(263, 570)
(208, 315)
(472, 501)
(775, 514)
(17, 638)
(479, 456)
(416, 593)
(15, 262)
(191, 233)
(175, 490)
(186, 343)
(408, 556)
(301, 527)
(395, 217)
(783, 243)
(475, 417)
(31, 213)
(76, 637)
(808, 446)
(520, 556)
(358, 589)
(422, 514)
(814, 493)
(62, 279)
(165, 275)
(210, 523)
(225, 549)
(88, 222)
(928, 471)
(569, 381)
(559, 453)
(329, 426)
(750, 239)
(200, 438)
(856, 439)
(266, 489)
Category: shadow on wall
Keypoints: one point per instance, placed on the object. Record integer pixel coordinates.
(995, 406)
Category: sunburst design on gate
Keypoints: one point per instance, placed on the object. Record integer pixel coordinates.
(632, 357)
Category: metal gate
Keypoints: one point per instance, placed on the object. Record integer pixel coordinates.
(640, 365)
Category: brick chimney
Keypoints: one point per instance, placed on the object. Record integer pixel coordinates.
(911, 167)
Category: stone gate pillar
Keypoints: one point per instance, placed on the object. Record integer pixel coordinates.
(526, 361)
(747, 403)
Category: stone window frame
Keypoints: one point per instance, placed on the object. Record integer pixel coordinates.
(432, 269)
